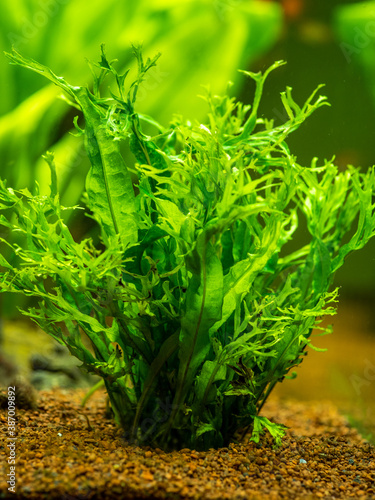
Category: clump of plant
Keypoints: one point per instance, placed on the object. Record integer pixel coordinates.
(191, 301)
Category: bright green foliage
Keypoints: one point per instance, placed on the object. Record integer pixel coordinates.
(202, 41)
(193, 305)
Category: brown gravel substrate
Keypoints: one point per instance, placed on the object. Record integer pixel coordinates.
(64, 452)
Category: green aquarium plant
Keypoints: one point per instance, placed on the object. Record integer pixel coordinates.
(215, 37)
(192, 300)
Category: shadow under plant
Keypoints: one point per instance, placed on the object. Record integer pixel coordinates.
(192, 302)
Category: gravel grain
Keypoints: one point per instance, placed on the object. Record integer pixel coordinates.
(66, 452)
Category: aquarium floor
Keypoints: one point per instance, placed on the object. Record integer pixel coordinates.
(66, 452)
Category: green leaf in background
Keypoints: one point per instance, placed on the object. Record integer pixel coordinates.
(203, 36)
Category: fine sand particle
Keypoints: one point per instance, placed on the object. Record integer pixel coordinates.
(66, 452)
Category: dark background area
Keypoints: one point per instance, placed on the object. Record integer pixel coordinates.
(310, 42)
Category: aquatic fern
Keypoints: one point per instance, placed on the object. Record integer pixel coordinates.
(192, 302)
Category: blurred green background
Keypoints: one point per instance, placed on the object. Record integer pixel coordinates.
(202, 42)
